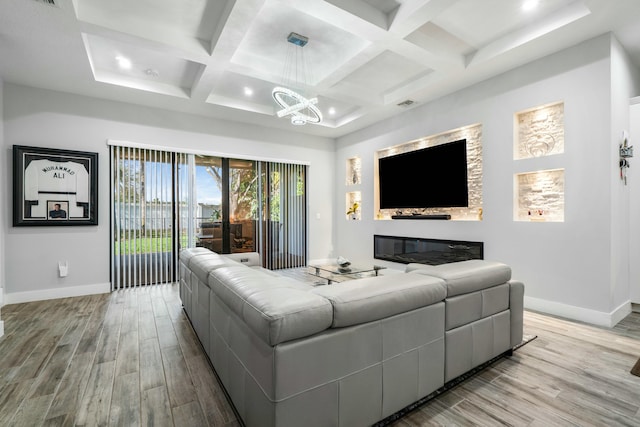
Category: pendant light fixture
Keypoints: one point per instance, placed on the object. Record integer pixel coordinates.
(294, 104)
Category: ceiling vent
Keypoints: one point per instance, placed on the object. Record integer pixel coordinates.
(406, 103)
(48, 2)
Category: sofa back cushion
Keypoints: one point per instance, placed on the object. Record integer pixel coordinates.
(373, 298)
(277, 309)
(189, 254)
(283, 314)
(203, 265)
(466, 276)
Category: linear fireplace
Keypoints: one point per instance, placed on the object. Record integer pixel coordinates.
(425, 251)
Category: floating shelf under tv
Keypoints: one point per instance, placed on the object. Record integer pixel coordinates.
(435, 216)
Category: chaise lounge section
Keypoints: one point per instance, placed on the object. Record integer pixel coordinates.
(349, 354)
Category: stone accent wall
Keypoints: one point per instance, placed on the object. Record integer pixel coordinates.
(540, 196)
(540, 131)
(473, 135)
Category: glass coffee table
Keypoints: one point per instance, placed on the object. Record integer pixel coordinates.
(335, 273)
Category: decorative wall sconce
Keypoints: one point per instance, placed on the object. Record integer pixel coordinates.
(626, 152)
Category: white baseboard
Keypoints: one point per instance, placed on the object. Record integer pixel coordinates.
(579, 313)
(54, 293)
(620, 313)
(1, 304)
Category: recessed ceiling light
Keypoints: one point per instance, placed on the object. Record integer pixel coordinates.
(248, 91)
(124, 63)
(332, 111)
(529, 5)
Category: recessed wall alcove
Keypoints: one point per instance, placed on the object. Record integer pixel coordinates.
(539, 133)
(473, 135)
(540, 196)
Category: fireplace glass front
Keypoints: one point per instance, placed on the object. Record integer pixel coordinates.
(425, 251)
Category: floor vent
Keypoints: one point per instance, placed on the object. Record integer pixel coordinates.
(406, 103)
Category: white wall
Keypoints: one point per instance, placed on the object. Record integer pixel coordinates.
(3, 225)
(566, 267)
(633, 177)
(624, 85)
(45, 118)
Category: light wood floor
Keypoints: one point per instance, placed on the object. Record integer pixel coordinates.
(127, 358)
(131, 358)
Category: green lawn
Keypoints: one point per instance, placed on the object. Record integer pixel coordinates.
(145, 245)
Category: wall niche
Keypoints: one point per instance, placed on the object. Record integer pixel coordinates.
(473, 135)
(354, 171)
(353, 203)
(539, 131)
(540, 196)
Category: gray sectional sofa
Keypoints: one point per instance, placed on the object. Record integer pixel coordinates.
(348, 354)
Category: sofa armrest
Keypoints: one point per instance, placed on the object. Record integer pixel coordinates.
(516, 306)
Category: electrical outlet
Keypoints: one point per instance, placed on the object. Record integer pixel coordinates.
(63, 268)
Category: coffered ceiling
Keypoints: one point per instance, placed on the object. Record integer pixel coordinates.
(222, 58)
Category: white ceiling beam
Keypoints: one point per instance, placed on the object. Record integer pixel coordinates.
(409, 89)
(364, 11)
(238, 22)
(336, 15)
(413, 14)
(241, 104)
(565, 16)
(221, 24)
(356, 17)
(384, 40)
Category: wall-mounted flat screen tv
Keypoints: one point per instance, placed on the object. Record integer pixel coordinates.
(432, 177)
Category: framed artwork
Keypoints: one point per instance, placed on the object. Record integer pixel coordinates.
(54, 187)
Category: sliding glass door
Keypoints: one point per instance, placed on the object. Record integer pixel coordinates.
(164, 201)
(146, 226)
(283, 226)
(227, 200)
(243, 205)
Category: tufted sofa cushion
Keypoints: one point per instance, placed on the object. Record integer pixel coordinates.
(465, 276)
(373, 298)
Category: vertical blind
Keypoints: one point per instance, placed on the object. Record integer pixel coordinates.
(147, 202)
(284, 230)
(154, 208)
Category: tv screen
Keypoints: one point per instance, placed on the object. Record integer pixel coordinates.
(433, 177)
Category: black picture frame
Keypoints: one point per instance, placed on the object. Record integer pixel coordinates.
(53, 187)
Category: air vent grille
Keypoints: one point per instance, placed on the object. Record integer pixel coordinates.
(406, 103)
(48, 2)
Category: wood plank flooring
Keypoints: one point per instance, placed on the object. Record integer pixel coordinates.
(123, 359)
(131, 358)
